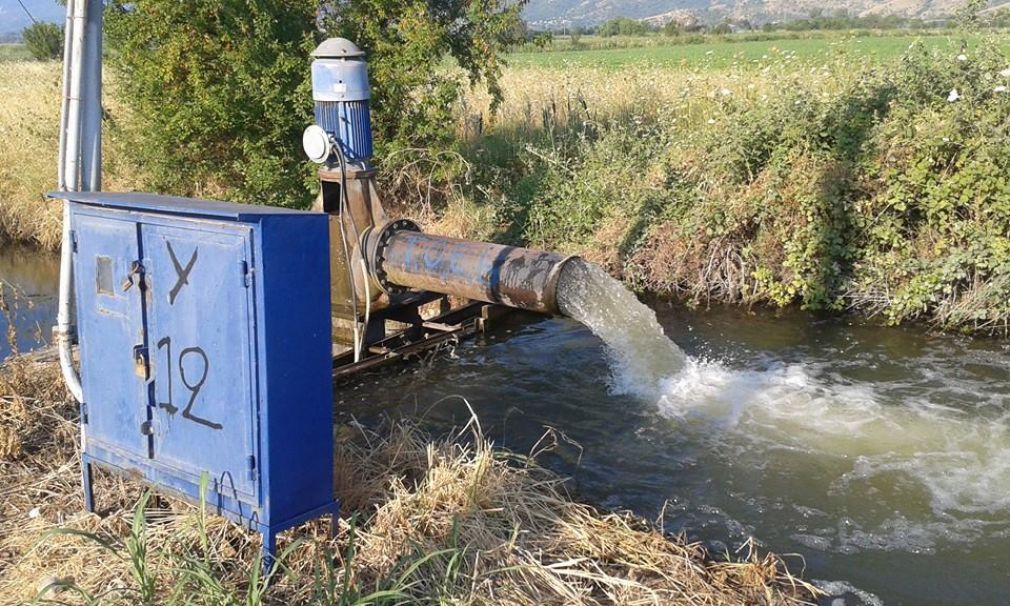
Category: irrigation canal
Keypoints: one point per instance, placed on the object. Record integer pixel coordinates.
(880, 456)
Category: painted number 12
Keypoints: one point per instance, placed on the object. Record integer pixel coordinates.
(198, 357)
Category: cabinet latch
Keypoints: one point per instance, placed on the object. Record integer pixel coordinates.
(134, 275)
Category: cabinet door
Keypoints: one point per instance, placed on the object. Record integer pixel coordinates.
(200, 323)
(111, 333)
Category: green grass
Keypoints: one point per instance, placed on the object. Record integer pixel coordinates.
(14, 52)
(720, 54)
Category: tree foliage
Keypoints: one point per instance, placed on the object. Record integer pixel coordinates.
(44, 40)
(407, 42)
(220, 89)
(219, 92)
(623, 26)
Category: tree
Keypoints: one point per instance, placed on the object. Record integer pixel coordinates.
(723, 28)
(44, 40)
(407, 41)
(622, 26)
(969, 15)
(220, 89)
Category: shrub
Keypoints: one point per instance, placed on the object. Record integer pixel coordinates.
(220, 91)
(44, 41)
(408, 41)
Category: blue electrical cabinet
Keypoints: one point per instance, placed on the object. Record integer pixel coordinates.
(205, 351)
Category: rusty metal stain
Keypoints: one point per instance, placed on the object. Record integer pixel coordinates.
(493, 273)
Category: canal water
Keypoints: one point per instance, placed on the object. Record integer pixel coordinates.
(29, 285)
(880, 457)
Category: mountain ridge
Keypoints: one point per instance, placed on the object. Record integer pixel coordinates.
(558, 13)
(554, 13)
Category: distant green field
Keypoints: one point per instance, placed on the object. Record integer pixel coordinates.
(723, 54)
(13, 52)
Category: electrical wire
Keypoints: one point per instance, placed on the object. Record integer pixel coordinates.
(345, 212)
(27, 12)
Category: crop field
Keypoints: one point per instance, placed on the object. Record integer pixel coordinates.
(13, 52)
(727, 53)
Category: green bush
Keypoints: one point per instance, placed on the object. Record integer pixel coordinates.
(220, 89)
(408, 42)
(219, 93)
(623, 26)
(44, 41)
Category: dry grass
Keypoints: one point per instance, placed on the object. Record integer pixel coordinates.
(29, 137)
(542, 97)
(29, 140)
(451, 521)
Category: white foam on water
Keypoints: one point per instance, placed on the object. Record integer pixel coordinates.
(959, 459)
(838, 591)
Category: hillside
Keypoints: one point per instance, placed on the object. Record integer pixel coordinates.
(556, 13)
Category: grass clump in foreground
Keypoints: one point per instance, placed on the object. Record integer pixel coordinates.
(450, 521)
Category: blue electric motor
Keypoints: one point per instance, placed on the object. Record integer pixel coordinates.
(341, 93)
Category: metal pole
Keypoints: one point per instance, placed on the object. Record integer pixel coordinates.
(91, 100)
(73, 150)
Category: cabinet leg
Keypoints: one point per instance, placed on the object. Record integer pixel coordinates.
(335, 521)
(86, 480)
(269, 550)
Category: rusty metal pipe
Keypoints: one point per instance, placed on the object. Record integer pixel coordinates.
(401, 257)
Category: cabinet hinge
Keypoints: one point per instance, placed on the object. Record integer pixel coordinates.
(251, 464)
(73, 240)
(247, 274)
(84, 413)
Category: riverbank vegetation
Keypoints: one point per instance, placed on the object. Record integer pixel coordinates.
(834, 184)
(828, 176)
(425, 521)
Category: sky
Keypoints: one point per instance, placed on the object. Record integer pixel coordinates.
(13, 17)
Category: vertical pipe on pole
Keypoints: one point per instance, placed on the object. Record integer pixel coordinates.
(68, 38)
(77, 10)
(77, 68)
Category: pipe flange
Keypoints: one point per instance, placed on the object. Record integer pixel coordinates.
(375, 241)
(553, 279)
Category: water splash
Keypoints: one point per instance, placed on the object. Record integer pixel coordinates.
(641, 355)
(961, 462)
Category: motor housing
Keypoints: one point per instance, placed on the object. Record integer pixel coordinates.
(341, 93)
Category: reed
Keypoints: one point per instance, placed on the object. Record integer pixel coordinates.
(425, 521)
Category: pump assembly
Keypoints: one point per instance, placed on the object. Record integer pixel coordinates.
(384, 270)
(210, 333)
